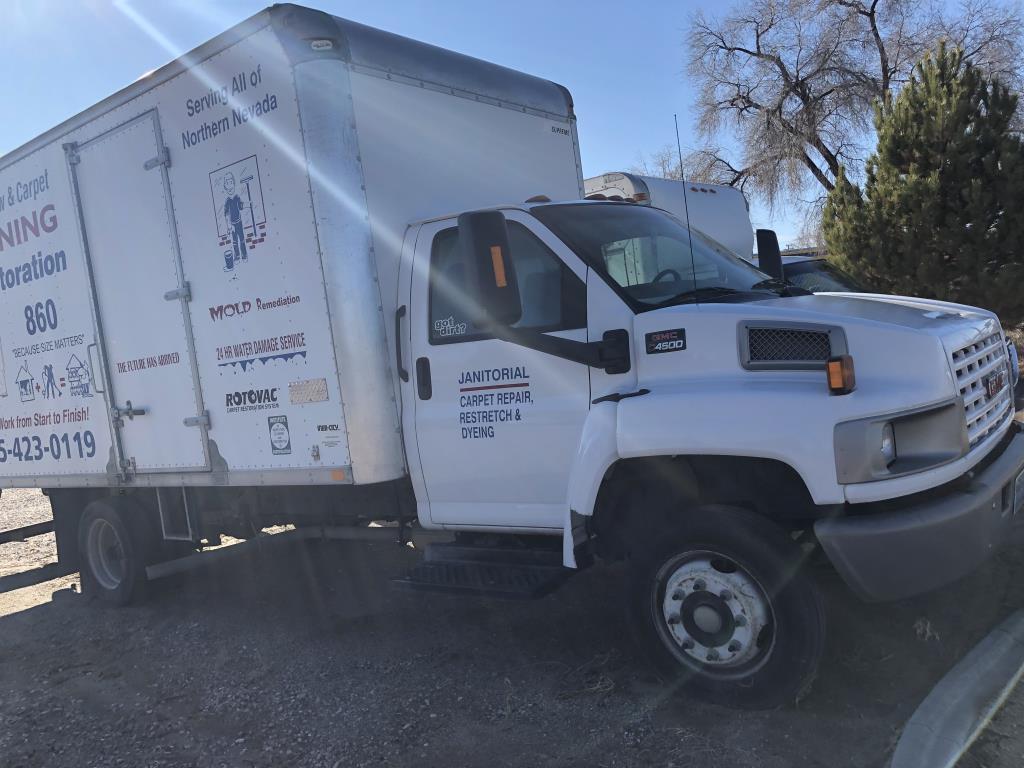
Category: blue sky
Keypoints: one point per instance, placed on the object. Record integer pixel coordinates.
(623, 62)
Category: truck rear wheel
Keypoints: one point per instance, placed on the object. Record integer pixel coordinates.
(725, 610)
(112, 552)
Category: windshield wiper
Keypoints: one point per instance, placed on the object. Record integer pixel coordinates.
(781, 287)
(696, 294)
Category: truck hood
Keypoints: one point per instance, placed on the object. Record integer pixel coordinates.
(928, 315)
(907, 351)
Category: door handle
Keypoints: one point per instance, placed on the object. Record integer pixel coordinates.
(129, 410)
(423, 384)
(399, 314)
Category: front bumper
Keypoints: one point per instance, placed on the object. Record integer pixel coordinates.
(893, 555)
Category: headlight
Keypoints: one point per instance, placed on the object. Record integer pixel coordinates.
(927, 437)
(888, 446)
(1011, 352)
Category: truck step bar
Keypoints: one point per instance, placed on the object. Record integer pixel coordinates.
(20, 534)
(504, 572)
(339, 533)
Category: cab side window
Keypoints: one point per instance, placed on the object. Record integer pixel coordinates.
(553, 297)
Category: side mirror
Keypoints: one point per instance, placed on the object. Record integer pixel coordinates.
(769, 260)
(490, 272)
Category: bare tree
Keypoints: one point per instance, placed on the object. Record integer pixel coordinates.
(663, 163)
(709, 165)
(794, 82)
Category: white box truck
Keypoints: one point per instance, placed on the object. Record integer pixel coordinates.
(289, 279)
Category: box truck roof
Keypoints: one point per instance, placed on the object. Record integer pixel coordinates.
(307, 33)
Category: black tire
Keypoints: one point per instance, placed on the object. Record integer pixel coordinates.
(784, 649)
(114, 542)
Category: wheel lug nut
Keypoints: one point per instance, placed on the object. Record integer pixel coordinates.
(687, 644)
(726, 594)
(712, 655)
(699, 585)
(741, 620)
(677, 595)
(734, 646)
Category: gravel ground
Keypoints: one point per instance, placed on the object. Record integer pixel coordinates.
(301, 655)
(1002, 742)
(19, 508)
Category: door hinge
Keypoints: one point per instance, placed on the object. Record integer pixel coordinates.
(71, 151)
(128, 468)
(184, 292)
(202, 420)
(163, 158)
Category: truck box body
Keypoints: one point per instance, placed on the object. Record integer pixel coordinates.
(199, 272)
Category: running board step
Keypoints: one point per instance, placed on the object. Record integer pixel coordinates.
(454, 552)
(506, 572)
(484, 579)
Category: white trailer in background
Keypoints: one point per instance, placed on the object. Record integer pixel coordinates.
(722, 213)
(290, 278)
(718, 211)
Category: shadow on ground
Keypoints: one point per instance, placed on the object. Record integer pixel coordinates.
(302, 655)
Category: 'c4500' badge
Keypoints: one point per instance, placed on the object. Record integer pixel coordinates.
(666, 341)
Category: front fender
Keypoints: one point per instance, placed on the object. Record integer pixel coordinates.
(597, 451)
(785, 418)
(788, 418)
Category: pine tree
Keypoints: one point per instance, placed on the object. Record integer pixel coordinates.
(939, 215)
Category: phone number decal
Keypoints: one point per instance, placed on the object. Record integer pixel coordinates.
(74, 445)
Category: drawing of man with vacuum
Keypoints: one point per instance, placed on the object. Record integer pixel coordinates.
(237, 197)
(233, 207)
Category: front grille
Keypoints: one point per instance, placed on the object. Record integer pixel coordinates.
(973, 365)
(773, 345)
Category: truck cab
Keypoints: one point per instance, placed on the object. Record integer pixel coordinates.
(597, 371)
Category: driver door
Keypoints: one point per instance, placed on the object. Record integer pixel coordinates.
(497, 425)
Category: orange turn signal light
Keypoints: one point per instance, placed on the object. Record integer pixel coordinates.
(498, 264)
(841, 379)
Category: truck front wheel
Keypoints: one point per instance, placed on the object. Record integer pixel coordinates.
(725, 610)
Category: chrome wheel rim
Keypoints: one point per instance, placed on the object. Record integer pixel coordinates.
(713, 613)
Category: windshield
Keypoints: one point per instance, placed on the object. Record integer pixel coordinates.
(817, 275)
(651, 258)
